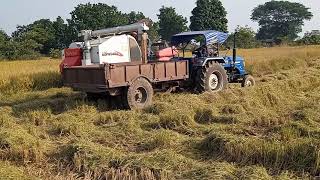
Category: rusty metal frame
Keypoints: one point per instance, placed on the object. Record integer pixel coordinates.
(100, 78)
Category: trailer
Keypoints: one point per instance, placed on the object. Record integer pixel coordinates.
(116, 65)
(136, 81)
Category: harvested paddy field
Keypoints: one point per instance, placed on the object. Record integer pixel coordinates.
(270, 131)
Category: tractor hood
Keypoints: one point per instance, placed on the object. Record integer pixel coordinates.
(229, 59)
(239, 64)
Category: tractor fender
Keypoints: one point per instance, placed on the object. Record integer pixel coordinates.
(213, 59)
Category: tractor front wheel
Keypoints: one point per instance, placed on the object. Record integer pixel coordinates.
(212, 78)
(139, 94)
(248, 81)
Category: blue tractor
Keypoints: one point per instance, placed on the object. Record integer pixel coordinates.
(210, 72)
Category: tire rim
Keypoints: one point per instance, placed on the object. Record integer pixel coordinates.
(213, 81)
(141, 95)
(249, 84)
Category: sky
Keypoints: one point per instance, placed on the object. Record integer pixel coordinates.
(18, 12)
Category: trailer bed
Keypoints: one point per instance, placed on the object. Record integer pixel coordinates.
(100, 78)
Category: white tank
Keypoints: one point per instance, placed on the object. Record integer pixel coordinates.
(114, 49)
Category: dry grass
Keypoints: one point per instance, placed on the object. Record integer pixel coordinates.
(270, 131)
(271, 60)
(26, 67)
(21, 76)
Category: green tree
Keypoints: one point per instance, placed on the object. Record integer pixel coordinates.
(153, 32)
(246, 38)
(280, 19)
(62, 35)
(96, 16)
(134, 17)
(11, 49)
(99, 16)
(44, 35)
(25, 49)
(20, 30)
(209, 15)
(4, 38)
(29, 41)
(170, 22)
(41, 32)
(310, 40)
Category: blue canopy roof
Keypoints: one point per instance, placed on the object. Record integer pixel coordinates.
(211, 37)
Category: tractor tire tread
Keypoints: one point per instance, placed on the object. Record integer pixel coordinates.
(246, 79)
(202, 76)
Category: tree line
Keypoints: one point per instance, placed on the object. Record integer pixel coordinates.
(279, 21)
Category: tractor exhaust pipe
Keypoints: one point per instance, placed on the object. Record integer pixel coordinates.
(234, 54)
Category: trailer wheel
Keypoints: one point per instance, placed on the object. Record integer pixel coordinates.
(248, 81)
(212, 78)
(139, 94)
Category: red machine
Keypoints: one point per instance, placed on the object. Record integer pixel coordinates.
(166, 54)
(72, 57)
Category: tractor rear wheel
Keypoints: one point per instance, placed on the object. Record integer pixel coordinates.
(248, 81)
(139, 94)
(211, 78)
